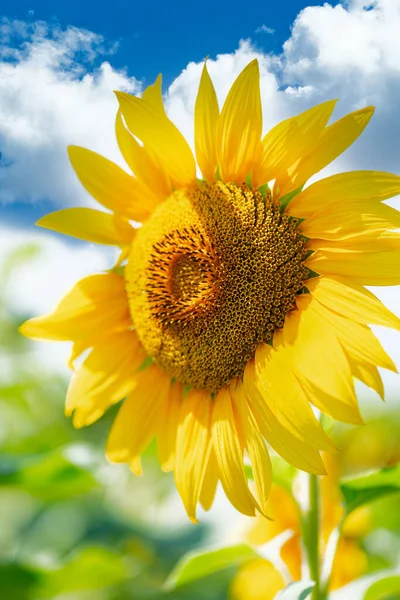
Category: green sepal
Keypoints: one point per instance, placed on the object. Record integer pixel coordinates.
(263, 189)
(146, 363)
(312, 274)
(249, 180)
(284, 201)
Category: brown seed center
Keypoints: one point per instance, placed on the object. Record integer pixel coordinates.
(211, 275)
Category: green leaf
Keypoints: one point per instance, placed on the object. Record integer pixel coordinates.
(384, 589)
(49, 476)
(362, 490)
(91, 568)
(300, 590)
(17, 581)
(196, 565)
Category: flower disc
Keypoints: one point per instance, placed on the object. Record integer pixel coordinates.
(211, 275)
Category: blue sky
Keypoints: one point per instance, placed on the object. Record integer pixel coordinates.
(164, 36)
(61, 61)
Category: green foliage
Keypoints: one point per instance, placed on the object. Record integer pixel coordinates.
(197, 565)
(384, 589)
(50, 476)
(363, 490)
(90, 568)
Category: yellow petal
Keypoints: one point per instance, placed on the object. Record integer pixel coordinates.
(257, 580)
(358, 340)
(377, 240)
(310, 345)
(153, 95)
(210, 482)
(206, 115)
(344, 188)
(90, 225)
(287, 141)
(299, 454)
(370, 268)
(151, 175)
(105, 377)
(334, 140)
(139, 417)
(286, 398)
(352, 301)
(109, 184)
(166, 438)
(369, 375)
(229, 454)
(78, 348)
(240, 126)
(96, 305)
(193, 446)
(161, 138)
(351, 562)
(344, 220)
(256, 448)
(346, 410)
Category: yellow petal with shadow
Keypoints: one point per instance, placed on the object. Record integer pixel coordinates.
(90, 225)
(161, 139)
(256, 448)
(347, 220)
(110, 185)
(357, 340)
(286, 398)
(139, 417)
(344, 189)
(193, 447)
(152, 176)
(229, 454)
(240, 126)
(105, 377)
(289, 140)
(365, 268)
(206, 115)
(332, 142)
(166, 438)
(352, 301)
(210, 482)
(95, 306)
(299, 454)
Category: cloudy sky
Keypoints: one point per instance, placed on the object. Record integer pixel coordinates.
(60, 62)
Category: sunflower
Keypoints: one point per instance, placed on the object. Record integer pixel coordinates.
(238, 301)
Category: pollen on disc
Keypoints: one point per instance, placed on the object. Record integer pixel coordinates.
(211, 275)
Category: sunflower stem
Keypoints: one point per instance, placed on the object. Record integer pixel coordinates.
(312, 535)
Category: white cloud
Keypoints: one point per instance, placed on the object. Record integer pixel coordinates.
(49, 99)
(265, 29)
(352, 52)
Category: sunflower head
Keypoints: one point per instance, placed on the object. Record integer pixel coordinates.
(240, 298)
(210, 276)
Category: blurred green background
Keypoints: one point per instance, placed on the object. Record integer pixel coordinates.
(73, 527)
